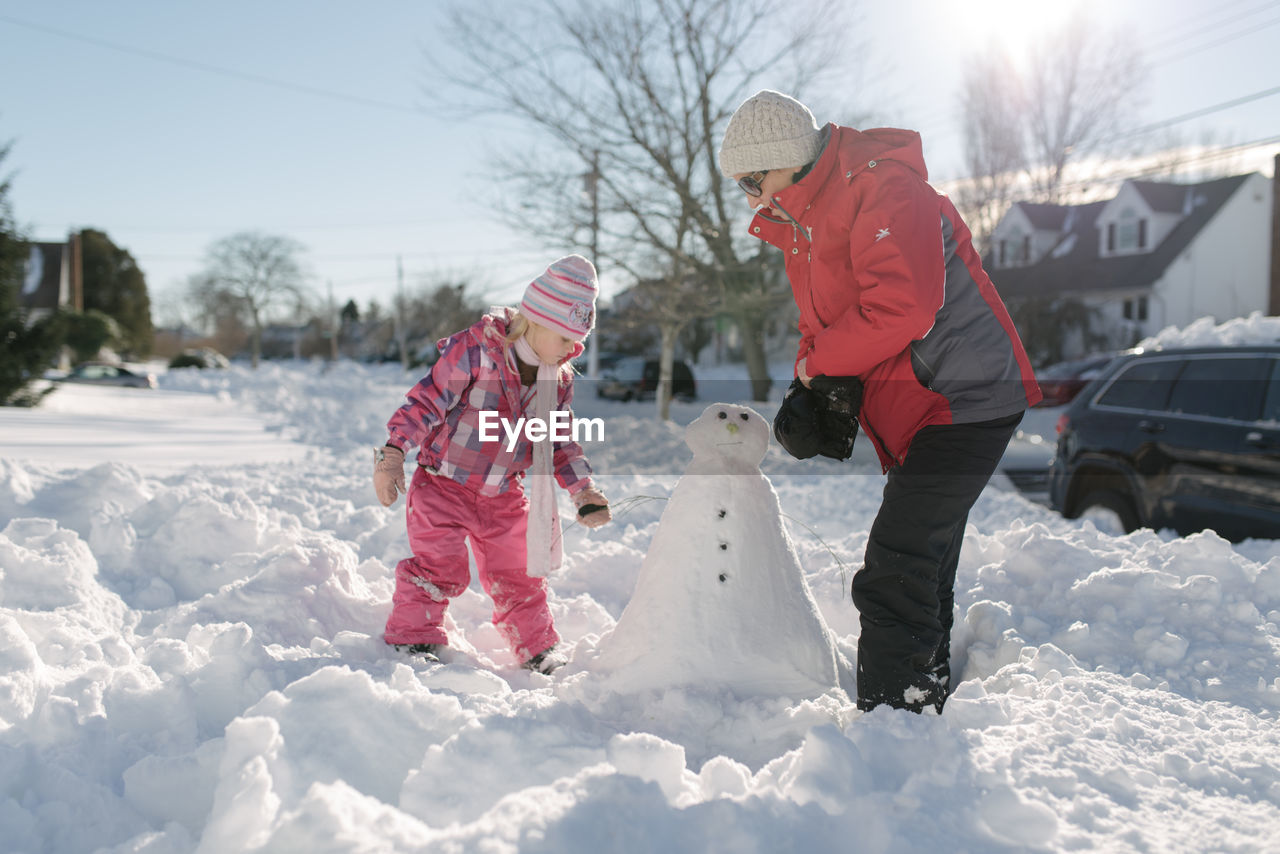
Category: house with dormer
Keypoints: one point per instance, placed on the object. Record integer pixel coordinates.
(1158, 254)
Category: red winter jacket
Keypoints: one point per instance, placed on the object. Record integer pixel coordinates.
(891, 290)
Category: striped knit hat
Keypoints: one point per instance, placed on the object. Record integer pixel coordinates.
(564, 297)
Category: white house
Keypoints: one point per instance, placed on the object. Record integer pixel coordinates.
(1157, 255)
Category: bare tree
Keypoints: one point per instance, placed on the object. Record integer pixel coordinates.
(217, 314)
(1024, 131)
(449, 305)
(636, 94)
(669, 302)
(251, 275)
(1082, 88)
(440, 305)
(994, 141)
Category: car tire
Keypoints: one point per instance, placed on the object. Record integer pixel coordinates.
(1108, 504)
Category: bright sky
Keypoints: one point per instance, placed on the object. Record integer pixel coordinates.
(171, 125)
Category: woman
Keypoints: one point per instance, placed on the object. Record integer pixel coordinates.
(891, 291)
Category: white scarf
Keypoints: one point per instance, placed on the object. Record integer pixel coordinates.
(542, 541)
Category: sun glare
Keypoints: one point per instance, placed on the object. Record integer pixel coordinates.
(1014, 24)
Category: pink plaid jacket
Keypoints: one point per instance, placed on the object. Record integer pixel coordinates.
(441, 415)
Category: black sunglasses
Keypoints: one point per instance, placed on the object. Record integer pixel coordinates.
(750, 184)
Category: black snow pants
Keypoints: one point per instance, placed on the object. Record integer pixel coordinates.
(905, 590)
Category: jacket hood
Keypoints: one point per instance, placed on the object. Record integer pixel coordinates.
(855, 149)
(849, 152)
(491, 332)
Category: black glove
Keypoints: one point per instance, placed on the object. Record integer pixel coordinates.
(796, 424)
(819, 420)
(840, 399)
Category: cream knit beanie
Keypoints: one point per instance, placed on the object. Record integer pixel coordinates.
(769, 131)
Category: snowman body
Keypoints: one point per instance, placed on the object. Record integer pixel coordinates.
(721, 598)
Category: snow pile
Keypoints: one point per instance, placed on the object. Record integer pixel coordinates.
(1255, 329)
(190, 660)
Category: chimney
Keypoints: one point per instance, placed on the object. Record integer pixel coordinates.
(1274, 308)
(78, 273)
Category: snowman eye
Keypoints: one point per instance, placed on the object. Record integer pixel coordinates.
(743, 416)
(723, 414)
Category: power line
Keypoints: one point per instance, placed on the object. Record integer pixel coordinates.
(933, 131)
(1147, 172)
(1200, 27)
(216, 69)
(1219, 42)
(1195, 114)
(357, 257)
(1206, 157)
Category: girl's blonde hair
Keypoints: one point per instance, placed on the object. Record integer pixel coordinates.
(518, 325)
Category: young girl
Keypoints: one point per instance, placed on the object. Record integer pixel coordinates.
(513, 363)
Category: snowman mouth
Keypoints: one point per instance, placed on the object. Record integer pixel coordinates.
(739, 442)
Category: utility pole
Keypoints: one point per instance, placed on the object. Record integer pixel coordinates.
(333, 325)
(77, 271)
(398, 308)
(591, 182)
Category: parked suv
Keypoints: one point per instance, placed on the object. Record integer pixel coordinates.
(636, 378)
(1185, 439)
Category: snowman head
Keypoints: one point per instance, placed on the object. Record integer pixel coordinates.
(735, 433)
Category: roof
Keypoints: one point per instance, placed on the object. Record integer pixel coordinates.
(1162, 197)
(1045, 217)
(1074, 265)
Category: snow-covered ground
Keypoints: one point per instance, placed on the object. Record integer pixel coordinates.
(193, 581)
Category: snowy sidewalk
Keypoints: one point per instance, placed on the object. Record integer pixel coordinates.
(158, 431)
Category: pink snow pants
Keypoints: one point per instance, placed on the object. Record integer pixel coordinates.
(441, 515)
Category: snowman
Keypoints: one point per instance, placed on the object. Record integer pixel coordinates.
(720, 599)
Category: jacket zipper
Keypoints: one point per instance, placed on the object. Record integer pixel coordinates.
(866, 425)
(795, 224)
(808, 236)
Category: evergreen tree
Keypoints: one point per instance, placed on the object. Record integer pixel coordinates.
(86, 333)
(115, 286)
(11, 245)
(26, 349)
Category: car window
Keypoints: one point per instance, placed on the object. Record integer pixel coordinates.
(1142, 384)
(1271, 409)
(1230, 388)
(629, 369)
